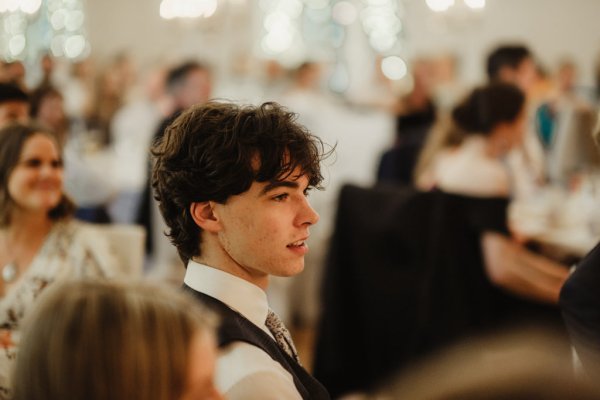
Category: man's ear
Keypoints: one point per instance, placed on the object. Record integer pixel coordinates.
(204, 216)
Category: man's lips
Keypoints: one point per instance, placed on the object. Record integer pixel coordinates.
(298, 243)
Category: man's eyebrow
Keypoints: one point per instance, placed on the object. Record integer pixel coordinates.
(277, 184)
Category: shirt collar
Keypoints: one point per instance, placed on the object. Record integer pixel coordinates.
(237, 293)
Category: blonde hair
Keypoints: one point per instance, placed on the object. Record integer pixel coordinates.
(519, 365)
(444, 134)
(108, 340)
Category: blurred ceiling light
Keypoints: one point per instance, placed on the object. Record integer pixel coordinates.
(170, 9)
(57, 46)
(74, 20)
(394, 68)
(316, 4)
(277, 42)
(27, 6)
(16, 45)
(320, 16)
(9, 5)
(382, 42)
(267, 5)
(344, 13)
(15, 24)
(377, 2)
(57, 19)
(381, 22)
(277, 21)
(439, 5)
(475, 4)
(30, 6)
(293, 8)
(74, 46)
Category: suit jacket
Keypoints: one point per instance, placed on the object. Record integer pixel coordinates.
(235, 327)
(580, 305)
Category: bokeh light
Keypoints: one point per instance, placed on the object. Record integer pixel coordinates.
(344, 13)
(170, 9)
(475, 4)
(394, 68)
(439, 5)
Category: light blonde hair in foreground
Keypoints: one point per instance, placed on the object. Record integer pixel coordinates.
(523, 365)
(108, 340)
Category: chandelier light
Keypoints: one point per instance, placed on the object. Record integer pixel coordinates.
(445, 5)
(170, 9)
(26, 6)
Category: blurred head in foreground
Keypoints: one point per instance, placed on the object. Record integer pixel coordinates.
(516, 366)
(108, 340)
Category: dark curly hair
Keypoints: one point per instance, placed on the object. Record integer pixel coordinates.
(209, 153)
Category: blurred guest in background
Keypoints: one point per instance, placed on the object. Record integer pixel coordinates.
(447, 88)
(39, 241)
(44, 74)
(132, 129)
(469, 161)
(564, 124)
(14, 72)
(112, 87)
(46, 108)
(187, 84)
(14, 104)
(416, 114)
(515, 64)
(156, 344)
(78, 92)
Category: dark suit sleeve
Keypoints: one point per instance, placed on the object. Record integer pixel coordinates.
(580, 305)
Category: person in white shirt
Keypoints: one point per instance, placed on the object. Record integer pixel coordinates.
(469, 158)
(232, 183)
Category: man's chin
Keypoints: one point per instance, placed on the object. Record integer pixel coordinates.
(291, 271)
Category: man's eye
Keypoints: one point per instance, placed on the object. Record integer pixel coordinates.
(281, 197)
(57, 164)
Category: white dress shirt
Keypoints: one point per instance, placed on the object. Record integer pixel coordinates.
(243, 371)
(467, 170)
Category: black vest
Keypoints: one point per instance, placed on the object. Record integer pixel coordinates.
(236, 328)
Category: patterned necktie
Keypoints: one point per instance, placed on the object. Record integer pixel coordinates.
(281, 334)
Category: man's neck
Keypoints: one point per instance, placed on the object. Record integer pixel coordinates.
(226, 264)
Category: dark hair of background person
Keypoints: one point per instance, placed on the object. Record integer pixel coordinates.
(12, 92)
(12, 141)
(38, 95)
(217, 150)
(479, 113)
(505, 56)
(488, 106)
(108, 340)
(177, 75)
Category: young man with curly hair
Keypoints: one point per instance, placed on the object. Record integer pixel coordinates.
(232, 182)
